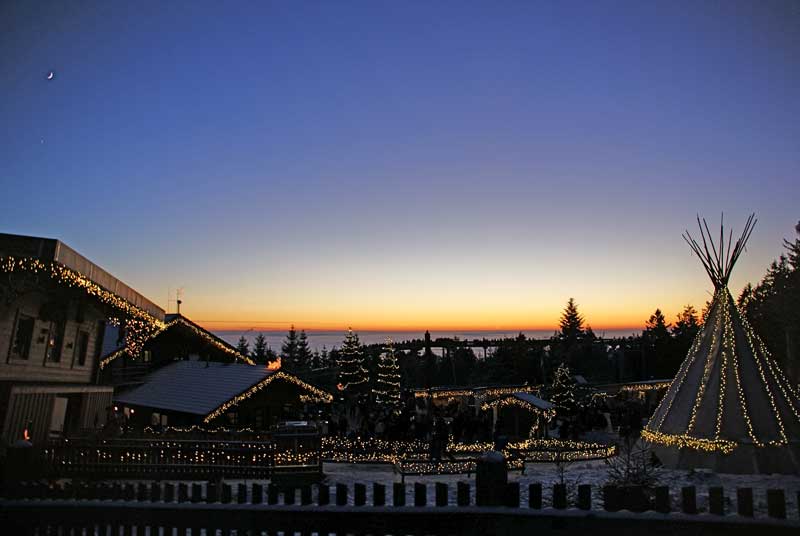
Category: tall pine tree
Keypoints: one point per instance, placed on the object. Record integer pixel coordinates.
(260, 349)
(243, 347)
(303, 359)
(289, 348)
(571, 323)
(352, 370)
(387, 381)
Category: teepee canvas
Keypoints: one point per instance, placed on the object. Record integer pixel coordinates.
(729, 407)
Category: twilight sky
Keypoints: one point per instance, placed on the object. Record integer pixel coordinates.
(402, 164)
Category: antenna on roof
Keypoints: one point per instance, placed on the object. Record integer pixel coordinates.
(178, 300)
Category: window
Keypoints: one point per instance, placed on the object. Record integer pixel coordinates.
(23, 336)
(54, 343)
(82, 347)
(233, 418)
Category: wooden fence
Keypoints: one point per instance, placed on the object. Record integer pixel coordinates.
(158, 508)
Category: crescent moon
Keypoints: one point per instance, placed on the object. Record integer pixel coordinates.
(50, 75)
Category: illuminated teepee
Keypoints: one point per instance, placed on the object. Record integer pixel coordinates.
(729, 408)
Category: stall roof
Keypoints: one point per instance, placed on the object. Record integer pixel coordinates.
(534, 400)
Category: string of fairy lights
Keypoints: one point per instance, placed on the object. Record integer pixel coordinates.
(387, 386)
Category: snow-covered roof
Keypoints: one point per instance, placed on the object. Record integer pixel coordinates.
(534, 400)
(196, 387)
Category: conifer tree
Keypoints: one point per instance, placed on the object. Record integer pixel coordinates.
(243, 347)
(562, 392)
(387, 381)
(260, 349)
(303, 359)
(289, 348)
(324, 357)
(571, 323)
(352, 371)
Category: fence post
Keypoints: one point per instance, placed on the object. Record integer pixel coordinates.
(183, 492)
(169, 492)
(585, 497)
(462, 494)
(323, 494)
(305, 495)
(511, 498)
(241, 494)
(420, 494)
(288, 495)
(359, 494)
(689, 500)
(441, 494)
(212, 493)
(272, 493)
(559, 496)
(535, 496)
(776, 503)
(611, 498)
(378, 494)
(399, 494)
(155, 491)
(662, 500)
(716, 501)
(130, 492)
(116, 491)
(341, 495)
(257, 497)
(226, 493)
(744, 502)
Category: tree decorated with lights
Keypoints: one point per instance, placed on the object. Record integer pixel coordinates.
(387, 381)
(561, 392)
(729, 408)
(352, 377)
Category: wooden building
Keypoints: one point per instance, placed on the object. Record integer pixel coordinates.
(55, 307)
(207, 393)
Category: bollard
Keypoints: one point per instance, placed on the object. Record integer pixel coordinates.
(359, 494)
(323, 494)
(226, 494)
(776, 503)
(491, 477)
(688, 500)
(212, 492)
(744, 502)
(511, 498)
(462, 494)
(241, 494)
(585, 497)
(341, 495)
(399, 494)
(305, 495)
(716, 501)
(559, 496)
(611, 498)
(378, 494)
(288, 495)
(662, 500)
(535, 496)
(441, 494)
(155, 491)
(420, 494)
(257, 495)
(272, 493)
(183, 492)
(169, 492)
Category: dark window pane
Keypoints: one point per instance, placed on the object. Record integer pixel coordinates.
(23, 336)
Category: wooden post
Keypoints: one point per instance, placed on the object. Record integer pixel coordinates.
(399, 494)
(378, 494)
(689, 500)
(305, 495)
(241, 493)
(183, 492)
(257, 495)
(288, 495)
(197, 493)
(559, 496)
(441, 494)
(585, 497)
(155, 491)
(716, 501)
(420, 494)
(116, 491)
(341, 495)
(359, 494)
(130, 492)
(226, 493)
(662, 500)
(272, 493)
(462, 494)
(535, 496)
(776, 503)
(323, 495)
(744, 502)
(212, 493)
(511, 499)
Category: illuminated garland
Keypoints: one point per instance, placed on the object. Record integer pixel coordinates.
(685, 441)
(641, 387)
(139, 324)
(477, 391)
(318, 394)
(387, 386)
(548, 414)
(351, 363)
